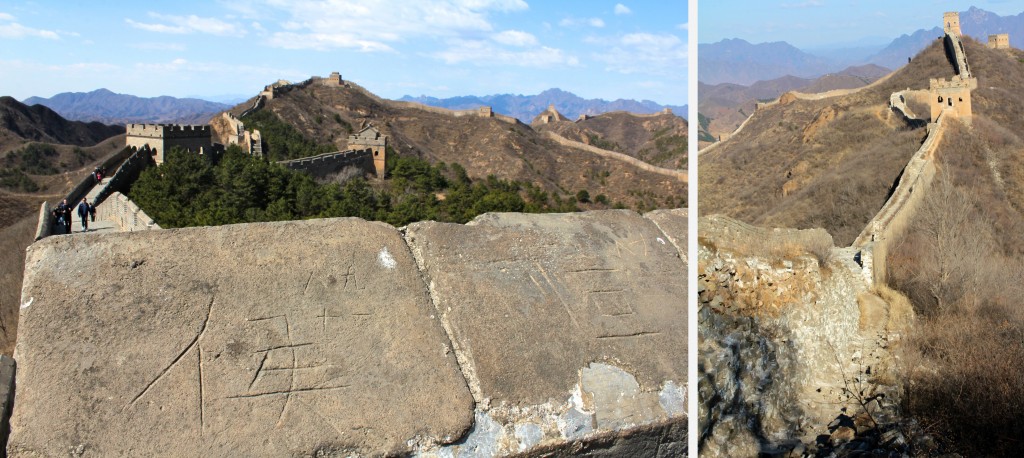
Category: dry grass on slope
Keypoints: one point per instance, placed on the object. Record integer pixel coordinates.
(809, 164)
(961, 263)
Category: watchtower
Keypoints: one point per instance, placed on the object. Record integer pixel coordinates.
(333, 80)
(163, 137)
(999, 41)
(952, 97)
(951, 23)
(369, 138)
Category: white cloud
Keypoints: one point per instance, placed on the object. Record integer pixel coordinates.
(481, 52)
(515, 38)
(188, 24)
(377, 25)
(153, 46)
(622, 9)
(806, 4)
(325, 41)
(683, 26)
(645, 53)
(11, 29)
(573, 22)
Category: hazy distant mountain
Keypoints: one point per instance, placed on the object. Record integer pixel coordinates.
(896, 53)
(110, 108)
(525, 107)
(20, 123)
(738, 61)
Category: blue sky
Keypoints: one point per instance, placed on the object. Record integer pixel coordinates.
(811, 24)
(441, 48)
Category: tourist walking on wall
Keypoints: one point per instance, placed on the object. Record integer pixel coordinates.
(59, 217)
(83, 214)
(67, 217)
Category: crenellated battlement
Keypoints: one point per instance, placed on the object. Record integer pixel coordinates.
(162, 137)
(168, 130)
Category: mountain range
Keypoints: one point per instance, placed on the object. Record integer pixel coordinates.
(20, 123)
(111, 108)
(525, 107)
(740, 62)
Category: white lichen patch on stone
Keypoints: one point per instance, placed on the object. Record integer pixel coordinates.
(673, 399)
(385, 259)
(27, 304)
(617, 399)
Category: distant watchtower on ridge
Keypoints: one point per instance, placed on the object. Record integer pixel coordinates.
(951, 23)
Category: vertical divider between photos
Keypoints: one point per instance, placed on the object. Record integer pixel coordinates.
(693, 433)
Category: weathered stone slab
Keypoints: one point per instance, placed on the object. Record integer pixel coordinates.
(673, 223)
(579, 317)
(279, 339)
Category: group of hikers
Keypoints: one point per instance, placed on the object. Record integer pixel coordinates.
(62, 215)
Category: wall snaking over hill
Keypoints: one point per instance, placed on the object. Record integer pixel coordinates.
(677, 174)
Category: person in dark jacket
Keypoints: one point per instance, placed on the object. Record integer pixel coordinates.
(58, 217)
(67, 216)
(83, 214)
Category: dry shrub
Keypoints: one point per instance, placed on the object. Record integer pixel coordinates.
(964, 360)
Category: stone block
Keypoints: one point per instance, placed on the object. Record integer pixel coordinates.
(576, 316)
(313, 338)
(674, 224)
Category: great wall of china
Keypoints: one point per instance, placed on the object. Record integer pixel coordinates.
(897, 212)
(815, 344)
(498, 337)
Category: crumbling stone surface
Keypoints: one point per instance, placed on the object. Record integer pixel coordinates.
(312, 338)
(577, 317)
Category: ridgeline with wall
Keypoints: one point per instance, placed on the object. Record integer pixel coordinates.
(680, 175)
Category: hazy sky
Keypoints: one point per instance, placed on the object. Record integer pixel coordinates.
(442, 48)
(810, 24)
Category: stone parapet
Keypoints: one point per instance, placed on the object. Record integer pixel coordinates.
(120, 210)
(535, 334)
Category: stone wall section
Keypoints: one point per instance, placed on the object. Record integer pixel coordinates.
(677, 174)
(328, 163)
(45, 225)
(125, 175)
(120, 210)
